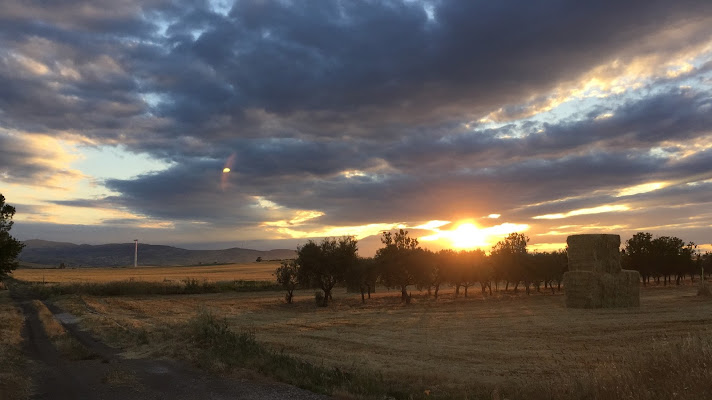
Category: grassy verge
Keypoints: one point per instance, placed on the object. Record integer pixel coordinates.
(14, 380)
(67, 345)
(135, 288)
(212, 345)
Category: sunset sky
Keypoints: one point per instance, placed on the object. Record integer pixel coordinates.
(259, 124)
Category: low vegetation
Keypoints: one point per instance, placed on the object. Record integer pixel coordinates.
(14, 380)
(215, 346)
(135, 288)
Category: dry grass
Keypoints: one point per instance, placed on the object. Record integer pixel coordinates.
(448, 346)
(212, 273)
(14, 380)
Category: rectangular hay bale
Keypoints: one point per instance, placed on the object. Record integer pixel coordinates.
(587, 289)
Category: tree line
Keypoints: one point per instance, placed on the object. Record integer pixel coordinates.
(402, 264)
(664, 258)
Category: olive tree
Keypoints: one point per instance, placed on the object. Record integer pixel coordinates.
(287, 277)
(401, 261)
(325, 264)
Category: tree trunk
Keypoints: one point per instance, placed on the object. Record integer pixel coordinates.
(369, 291)
(437, 289)
(327, 296)
(404, 293)
(363, 297)
(466, 287)
(457, 290)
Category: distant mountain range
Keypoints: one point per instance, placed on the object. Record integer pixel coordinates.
(122, 254)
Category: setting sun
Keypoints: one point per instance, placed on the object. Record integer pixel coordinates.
(467, 236)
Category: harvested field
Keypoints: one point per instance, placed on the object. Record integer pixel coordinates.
(212, 273)
(449, 346)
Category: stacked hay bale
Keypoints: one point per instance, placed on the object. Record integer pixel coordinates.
(595, 278)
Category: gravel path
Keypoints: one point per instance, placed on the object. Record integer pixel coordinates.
(108, 376)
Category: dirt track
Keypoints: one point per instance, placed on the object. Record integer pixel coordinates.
(108, 376)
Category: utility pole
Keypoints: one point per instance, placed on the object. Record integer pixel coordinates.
(136, 253)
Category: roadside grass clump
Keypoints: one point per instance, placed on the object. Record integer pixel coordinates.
(14, 379)
(219, 349)
(137, 288)
(65, 343)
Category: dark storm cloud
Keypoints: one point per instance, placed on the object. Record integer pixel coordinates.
(676, 115)
(333, 61)
(463, 174)
(297, 93)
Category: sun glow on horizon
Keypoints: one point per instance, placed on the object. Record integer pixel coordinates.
(467, 235)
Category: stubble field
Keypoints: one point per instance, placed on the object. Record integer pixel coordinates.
(449, 345)
(213, 273)
(452, 345)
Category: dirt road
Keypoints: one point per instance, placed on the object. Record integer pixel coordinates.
(106, 375)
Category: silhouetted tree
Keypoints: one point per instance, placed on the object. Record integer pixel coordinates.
(362, 277)
(470, 264)
(509, 257)
(638, 255)
(10, 247)
(324, 265)
(287, 277)
(398, 261)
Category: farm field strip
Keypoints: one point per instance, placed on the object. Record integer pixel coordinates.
(449, 343)
(227, 272)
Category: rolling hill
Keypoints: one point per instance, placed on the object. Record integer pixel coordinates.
(122, 254)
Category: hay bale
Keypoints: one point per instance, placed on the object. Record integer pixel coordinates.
(582, 289)
(627, 290)
(595, 278)
(587, 289)
(597, 253)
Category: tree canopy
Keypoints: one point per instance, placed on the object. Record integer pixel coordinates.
(10, 247)
(325, 264)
